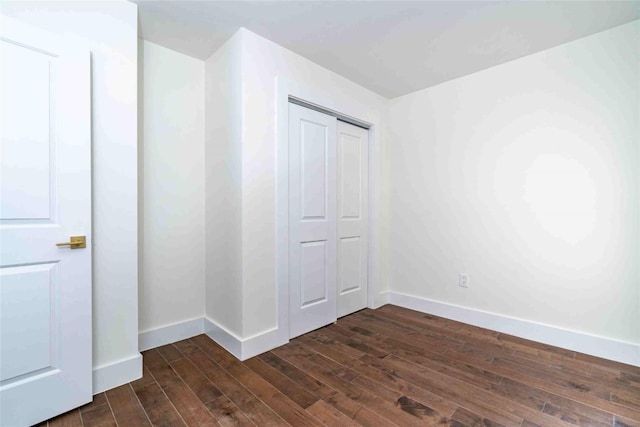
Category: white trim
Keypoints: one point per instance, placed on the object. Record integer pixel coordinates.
(227, 339)
(383, 299)
(242, 348)
(260, 343)
(620, 351)
(284, 89)
(168, 334)
(115, 374)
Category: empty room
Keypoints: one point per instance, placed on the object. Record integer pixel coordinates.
(307, 213)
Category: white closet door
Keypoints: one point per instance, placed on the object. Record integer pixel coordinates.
(45, 199)
(312, 220)
(353, 199)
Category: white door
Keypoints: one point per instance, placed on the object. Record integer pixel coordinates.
(353, 196)
(45, 198)
(312, 220)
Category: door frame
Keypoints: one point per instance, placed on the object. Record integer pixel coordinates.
(350, 112)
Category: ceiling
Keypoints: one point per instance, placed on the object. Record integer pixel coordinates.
(390, 47)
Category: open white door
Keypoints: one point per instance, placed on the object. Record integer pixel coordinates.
(45, 199)
(353, 196)
(312, 220)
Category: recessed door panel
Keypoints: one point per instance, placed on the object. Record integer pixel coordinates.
(350, 172)
(349, 254)
(25, 116)
(27, 320)
(313, 273)
(313, 164)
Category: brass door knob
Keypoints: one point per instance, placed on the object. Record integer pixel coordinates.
(77, 242)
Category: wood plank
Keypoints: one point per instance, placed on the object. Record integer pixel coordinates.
(435, 361)
(329, 352)
(278, 402)
(626, 399)
(157, 406)
(192, 410)
(330, 416)
(623, 367)
(334, 398)
(227, 413)
(286, 386)
(420, 411)
(377, 381)
(572, 417)
(256, 410)
(160, 369)
(468, 418)
(325, 370)
(169, 352)
(187, 346)
(98, 399)
(564, 380)
(491, 406)
(623, 422)
(539, 400)
(99, 417)
(125, 406)
(196, 380)
(542, 383)
(68, 419)
(146, 379)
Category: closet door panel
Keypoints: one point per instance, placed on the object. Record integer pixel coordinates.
(353, 163)
(312, 220)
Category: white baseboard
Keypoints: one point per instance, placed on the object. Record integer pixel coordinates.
(243, 348)
(260, 343)
(381, 299)
(594, 345)
(115, 374)
(170, 333)
(227, 339)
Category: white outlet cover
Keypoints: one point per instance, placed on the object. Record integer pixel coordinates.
(463, 280)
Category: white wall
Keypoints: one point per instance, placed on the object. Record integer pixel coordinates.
(223, 188)
(262, 63)
(172, 245)
(110, 31)
(525, 176)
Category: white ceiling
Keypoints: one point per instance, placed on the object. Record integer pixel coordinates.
(390, 47)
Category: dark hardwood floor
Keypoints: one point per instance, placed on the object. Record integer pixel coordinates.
(385, 367)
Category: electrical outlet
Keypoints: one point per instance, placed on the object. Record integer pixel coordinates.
(463, 280)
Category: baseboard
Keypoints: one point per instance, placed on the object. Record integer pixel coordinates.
(243, 348)
(227, 339)
(115, 374)
(606, 348)
(170, 333)
(381, 299)
(260, 343)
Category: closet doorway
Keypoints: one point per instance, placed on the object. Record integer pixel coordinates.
(328, 218)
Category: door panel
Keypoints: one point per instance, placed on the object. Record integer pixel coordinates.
(27, 334)
(312, 220)
(25, 164)
(313, 193)
(353, 149)
(45, 194)
(313, 273)
(350, 175)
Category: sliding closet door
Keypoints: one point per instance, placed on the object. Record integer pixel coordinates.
(353, 200)
(312, 220)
